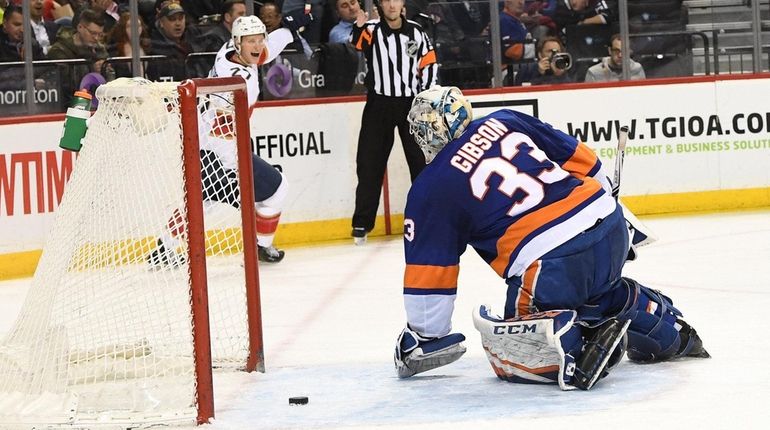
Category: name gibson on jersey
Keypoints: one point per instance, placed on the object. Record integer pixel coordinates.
(480, 141)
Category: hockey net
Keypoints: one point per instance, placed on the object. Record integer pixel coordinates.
(108, 335)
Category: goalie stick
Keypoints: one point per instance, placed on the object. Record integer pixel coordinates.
(622, 138)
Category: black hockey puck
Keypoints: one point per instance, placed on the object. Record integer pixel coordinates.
(298, 400)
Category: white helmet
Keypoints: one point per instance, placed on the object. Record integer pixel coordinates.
(438, 115)
(246, 26)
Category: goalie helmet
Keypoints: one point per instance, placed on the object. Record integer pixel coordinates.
(438, 115)
(246, 26)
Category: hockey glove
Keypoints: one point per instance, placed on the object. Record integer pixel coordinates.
(416, 354)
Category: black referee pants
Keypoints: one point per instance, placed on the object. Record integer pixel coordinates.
(375, 140)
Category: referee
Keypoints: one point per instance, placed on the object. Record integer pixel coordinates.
(401, 63)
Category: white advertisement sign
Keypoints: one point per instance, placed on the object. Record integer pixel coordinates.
(688, 137)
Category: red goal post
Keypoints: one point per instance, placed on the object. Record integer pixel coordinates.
(189, 91)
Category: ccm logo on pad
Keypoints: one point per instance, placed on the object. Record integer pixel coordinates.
(515, 329)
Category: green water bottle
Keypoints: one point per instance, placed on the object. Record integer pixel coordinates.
(75, 126)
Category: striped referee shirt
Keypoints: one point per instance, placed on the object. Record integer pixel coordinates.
(401, 62)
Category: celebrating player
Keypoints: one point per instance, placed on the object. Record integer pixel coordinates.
(534, 204)
(249, 47)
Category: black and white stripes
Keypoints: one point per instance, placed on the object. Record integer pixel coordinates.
(401, 63)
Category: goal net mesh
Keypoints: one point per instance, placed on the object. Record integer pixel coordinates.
(105, 333)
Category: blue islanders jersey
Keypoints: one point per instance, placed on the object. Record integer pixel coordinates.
(511, 187)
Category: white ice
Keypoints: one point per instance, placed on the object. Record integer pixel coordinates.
(332, 313)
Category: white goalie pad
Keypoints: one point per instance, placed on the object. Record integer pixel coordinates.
(536, 348)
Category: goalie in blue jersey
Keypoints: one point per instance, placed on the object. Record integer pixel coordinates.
(534, 203)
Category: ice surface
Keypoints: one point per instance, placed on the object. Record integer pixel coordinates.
(332, 314)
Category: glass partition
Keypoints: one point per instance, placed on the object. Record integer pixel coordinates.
(666, 38)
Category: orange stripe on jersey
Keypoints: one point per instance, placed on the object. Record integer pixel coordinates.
(366, 36)
(522, 228)
(525, 304)
(427, 60)
(515, 51)
(430, 277)
(582, 161)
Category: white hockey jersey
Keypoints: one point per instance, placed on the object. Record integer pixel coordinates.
(216, 128)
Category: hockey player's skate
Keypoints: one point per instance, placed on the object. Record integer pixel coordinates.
(690, 345)
(162, 258)
(269, 254)
(359, 235)
(599, 351)
(416, 354)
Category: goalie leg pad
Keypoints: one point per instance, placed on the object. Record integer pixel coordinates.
(658, 333)
(652, 335)
(539, 348)
(416, 354)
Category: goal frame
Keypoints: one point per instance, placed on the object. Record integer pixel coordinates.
(189, 91)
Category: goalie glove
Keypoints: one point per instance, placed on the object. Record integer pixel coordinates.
(416, 354)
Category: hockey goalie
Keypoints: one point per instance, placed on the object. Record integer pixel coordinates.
(533, 202)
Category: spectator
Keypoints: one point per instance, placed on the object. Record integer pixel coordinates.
(312, 32)
(195, 9)
(537, 17)
(271, 16)
(406, 66)
(611, 68)
(84, 41)
(3, 5)
(516, 40)
(413, 8)
(12, 37)
(109, 11)
(213, 39)
(471, 16)
(77, 6)
(44, 31)
(347, 10)
(584, 12)
(119, 41)
(447, 35)
(12, 49)
(62, 12)
(169, 38)
(544, 71)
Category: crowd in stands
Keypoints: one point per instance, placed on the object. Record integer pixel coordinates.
(93, 31)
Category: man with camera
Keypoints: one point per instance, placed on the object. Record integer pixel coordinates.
(551, 66)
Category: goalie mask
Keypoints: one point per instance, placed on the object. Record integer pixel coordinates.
(246, 26)
(438, 115)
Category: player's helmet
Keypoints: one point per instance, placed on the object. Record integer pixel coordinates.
(246, 26)
(438, 115)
